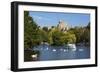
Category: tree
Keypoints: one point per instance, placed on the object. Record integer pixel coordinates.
(45, 29)
(52, 26)
(78, 31)
(88, 26)
(86, 35)
(68, 38)
(50, 37)
(82, 34)
(56, 34)
(30, 28)
(44, 35)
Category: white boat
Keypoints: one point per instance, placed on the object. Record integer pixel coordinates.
(71, 47)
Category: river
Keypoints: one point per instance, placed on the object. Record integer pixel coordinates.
(60, 53)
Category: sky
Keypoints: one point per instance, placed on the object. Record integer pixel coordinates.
(49, 19)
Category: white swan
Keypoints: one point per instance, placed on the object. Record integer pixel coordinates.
(65, 50)
(47, 48)
(34, 56)
(54, 50)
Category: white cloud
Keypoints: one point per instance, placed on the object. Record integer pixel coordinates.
(41, 18)
(37, 17)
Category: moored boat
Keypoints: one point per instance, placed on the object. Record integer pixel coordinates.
(71, 47)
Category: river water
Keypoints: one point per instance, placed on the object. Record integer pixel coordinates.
(61, 53)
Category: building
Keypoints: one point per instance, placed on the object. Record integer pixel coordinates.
(62, 26)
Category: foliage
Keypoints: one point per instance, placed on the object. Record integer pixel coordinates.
(29, 30)
(45, 29)
(35, 35)
(61, 38)
(56, 37)
(82, 34)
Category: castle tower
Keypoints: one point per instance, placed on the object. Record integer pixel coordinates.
(62, 26)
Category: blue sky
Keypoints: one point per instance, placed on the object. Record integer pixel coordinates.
(52, 18)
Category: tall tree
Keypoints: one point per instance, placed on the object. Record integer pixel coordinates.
(29, 30)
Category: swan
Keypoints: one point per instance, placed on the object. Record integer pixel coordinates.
(54, 50)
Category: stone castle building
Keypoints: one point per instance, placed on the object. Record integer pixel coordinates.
(63, 26)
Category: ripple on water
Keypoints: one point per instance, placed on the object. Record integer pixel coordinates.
(61, 49)
(81, 50)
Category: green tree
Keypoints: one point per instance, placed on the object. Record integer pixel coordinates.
(78, 31)
(86, 34)
(29, 30)
(68, 38)
(45, 29)
(56, 36)
(82, 34)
